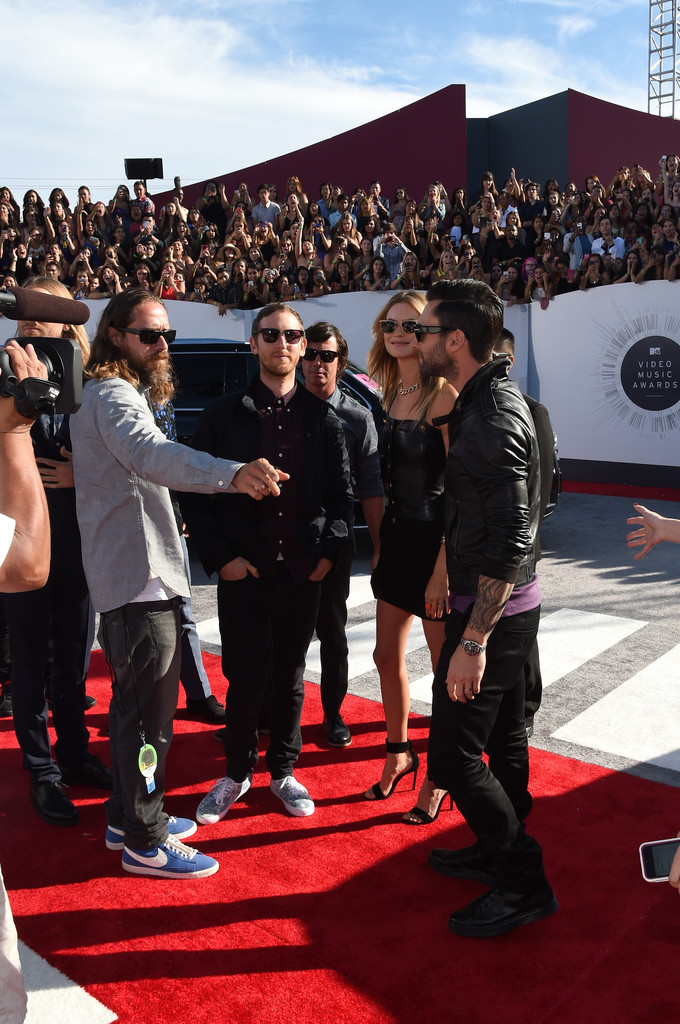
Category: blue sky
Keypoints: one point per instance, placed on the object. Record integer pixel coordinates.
(214, 86)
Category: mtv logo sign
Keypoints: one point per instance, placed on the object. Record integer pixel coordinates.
(655, 351)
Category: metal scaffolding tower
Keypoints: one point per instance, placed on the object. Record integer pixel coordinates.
(664, 56)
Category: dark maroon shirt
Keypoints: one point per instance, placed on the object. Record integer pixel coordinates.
(283, 446)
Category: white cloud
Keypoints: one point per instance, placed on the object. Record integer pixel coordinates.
(573, 25)
(196, 91)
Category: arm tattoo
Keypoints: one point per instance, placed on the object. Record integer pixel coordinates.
(492, 597)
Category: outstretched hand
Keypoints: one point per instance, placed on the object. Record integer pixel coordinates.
(259, 479)
(653, 529)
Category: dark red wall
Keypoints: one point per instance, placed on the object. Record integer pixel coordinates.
(423, 141)
(429, 139)
(603, 136)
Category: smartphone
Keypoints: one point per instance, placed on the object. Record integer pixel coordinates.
(656, 859)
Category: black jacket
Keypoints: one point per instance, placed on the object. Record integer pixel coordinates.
(225, 526)
(492, 504)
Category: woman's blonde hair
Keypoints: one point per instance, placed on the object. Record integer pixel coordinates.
(384, 368)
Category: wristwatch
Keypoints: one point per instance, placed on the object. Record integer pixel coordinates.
(471, 647)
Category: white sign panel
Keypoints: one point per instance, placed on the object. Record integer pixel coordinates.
(608, 362)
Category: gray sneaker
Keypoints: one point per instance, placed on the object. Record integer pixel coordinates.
(217, 802)
(293, 796)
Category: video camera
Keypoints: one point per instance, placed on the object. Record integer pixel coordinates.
(61, 392)
(61, 357)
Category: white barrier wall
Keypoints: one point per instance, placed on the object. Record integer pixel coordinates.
(608, 365)
(605, 362)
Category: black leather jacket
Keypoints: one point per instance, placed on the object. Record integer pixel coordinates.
(492, 505)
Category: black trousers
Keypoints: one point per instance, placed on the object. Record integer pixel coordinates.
(494, 799)
(330, 629)
(141, 642)
(266, 625)
(61, 610)
(533, 682)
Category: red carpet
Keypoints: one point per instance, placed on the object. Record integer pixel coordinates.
(337, 919)
(639, 494)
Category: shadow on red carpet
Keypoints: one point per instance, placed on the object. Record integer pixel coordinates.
(336, 918)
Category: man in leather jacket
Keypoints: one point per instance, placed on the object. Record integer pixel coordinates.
(492, 495)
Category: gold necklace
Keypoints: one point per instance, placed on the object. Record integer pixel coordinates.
(408, 391)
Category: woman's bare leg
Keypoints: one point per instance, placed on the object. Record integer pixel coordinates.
(392, 629)
(429, 798)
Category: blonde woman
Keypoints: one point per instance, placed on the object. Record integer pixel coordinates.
(410, 576)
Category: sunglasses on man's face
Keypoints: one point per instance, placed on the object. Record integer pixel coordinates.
(150, 335)
(271, 334)
(326, 355)
(390, 326)
(421, 330)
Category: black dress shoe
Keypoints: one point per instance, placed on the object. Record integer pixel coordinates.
(92, 772)
(6, 700)
(89, 701)
(496, 912)
(220, 734)
(337, 733)
(205, 709)
(472, 863)
(52, 804)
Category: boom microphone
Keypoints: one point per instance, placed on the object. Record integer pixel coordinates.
(32, 304)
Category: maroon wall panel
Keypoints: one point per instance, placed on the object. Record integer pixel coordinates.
(603, 136)
(423, 141)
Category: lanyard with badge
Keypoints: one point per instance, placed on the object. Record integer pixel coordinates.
(147, 760)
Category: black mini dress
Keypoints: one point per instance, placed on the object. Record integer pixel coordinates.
(412, 456)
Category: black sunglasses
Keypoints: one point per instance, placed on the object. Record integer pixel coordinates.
(407, 326)
(326, 355)
(150, 335)
(271, 334)
(422, 329)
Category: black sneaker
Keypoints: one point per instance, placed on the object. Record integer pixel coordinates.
(206, 709)
(337, 733)
(52, 804)
(6, 700)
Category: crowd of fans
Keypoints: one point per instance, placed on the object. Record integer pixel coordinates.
(528, 242)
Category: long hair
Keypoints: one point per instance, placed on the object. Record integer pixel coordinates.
(54, 287)
(384, 368)
(106, 358)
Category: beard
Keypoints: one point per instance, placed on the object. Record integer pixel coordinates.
(155, 373)
(437, 363)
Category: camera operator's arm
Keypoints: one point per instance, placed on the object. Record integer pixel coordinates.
(22, 496)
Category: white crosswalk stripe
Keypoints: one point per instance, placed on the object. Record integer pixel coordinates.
(618, 723)
(569, 638)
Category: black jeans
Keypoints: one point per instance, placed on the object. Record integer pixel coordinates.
(141, 642)
(330, 629)
(493, 799)
(266, 625)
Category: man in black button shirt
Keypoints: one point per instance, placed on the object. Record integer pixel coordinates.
(271, 564)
